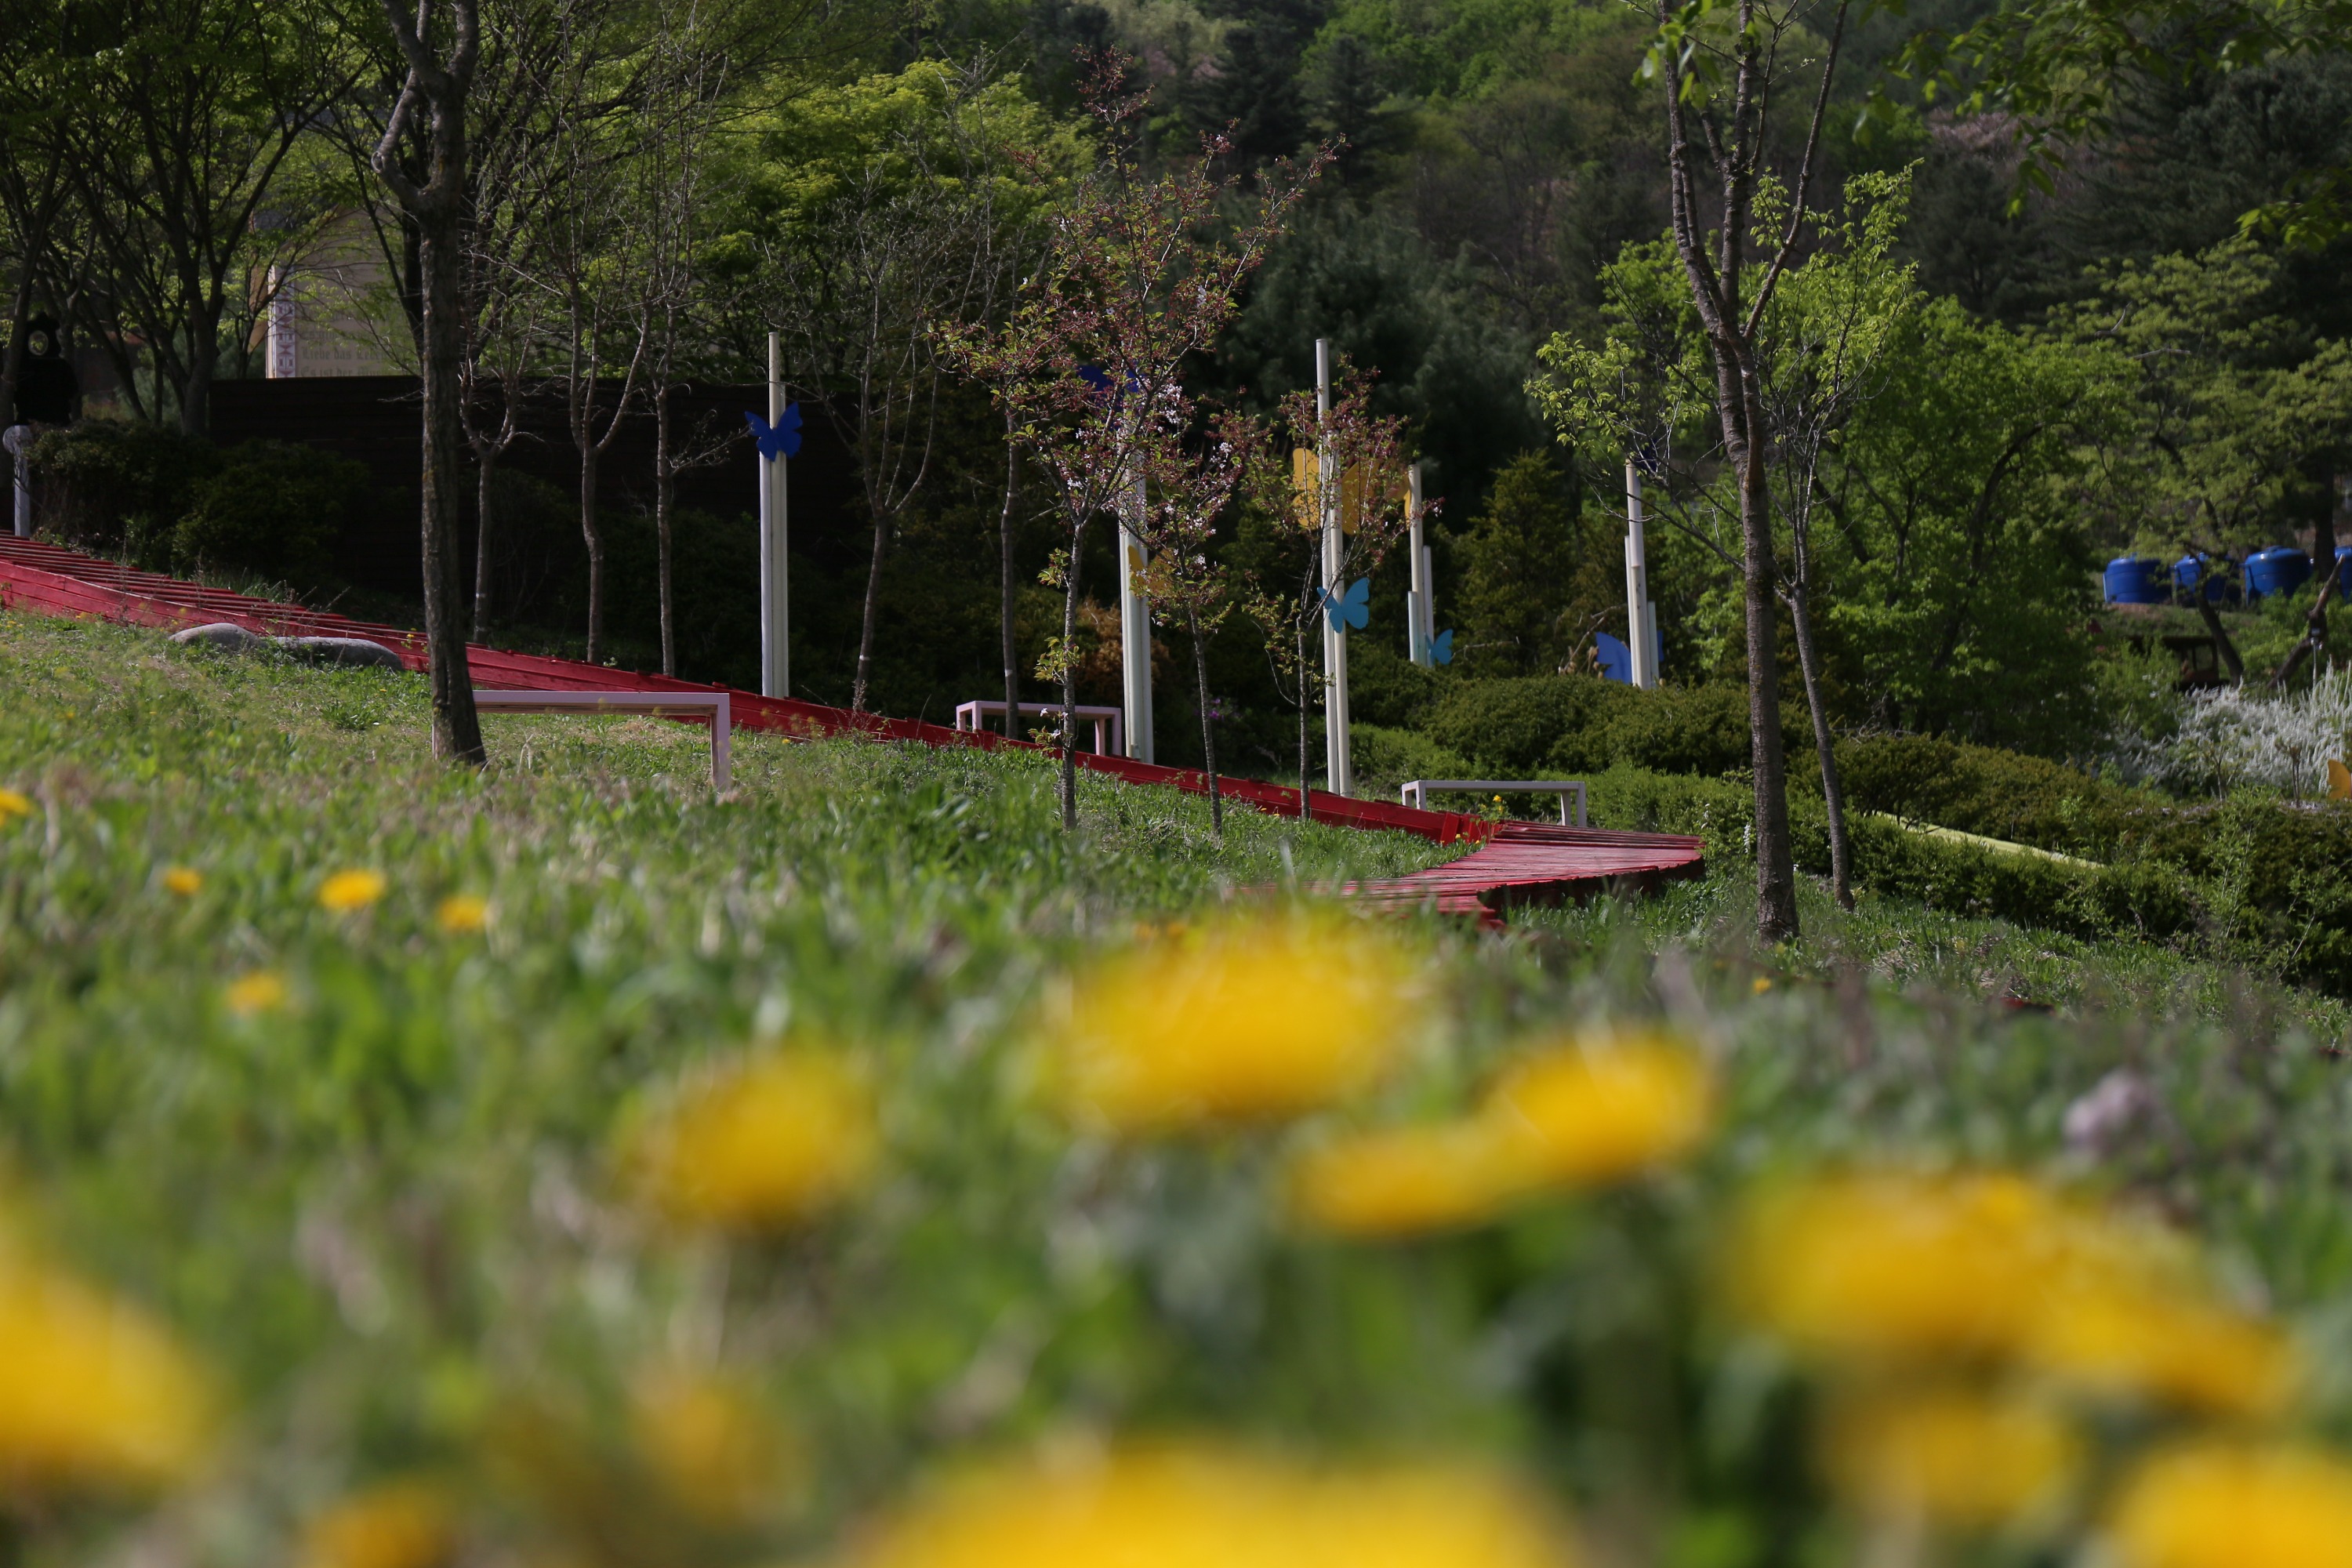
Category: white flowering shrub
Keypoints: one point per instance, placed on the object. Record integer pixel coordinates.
(2238, 736)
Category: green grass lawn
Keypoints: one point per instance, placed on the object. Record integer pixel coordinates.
(383, 1209)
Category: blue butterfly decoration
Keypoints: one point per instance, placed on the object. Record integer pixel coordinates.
(1352, 609)
(782, 439)
(1441, 646)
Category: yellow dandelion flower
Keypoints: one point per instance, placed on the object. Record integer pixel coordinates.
(1252, 1021)
(12, 803)
(1953, 1458)
(2164, 1344)
(1601, 1108)
(1763, 982)
(398, 1524)
(1892, 1264)
(180, 879)
(717, 1452)
(765, 1143)
(463, 914)
(97, 1394)
(1408, 1181)
(1178, 1507)
(347, 890)
(2211, 1505)
(1992, 1266)
(260, 991)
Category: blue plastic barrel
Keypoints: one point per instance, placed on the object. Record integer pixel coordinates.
(2136, 580)
(2277, 570)
(2221, 580)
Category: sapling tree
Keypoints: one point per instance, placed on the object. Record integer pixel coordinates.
(1187, 487)
(1363, 455)
(441, 61)
(1726, 66)
(1142, 271)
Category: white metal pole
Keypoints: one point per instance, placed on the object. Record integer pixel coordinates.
(1134, 626)
(1338, 776)
(775, 608)
(1638, 621)
(20, 438)
(1418, 630)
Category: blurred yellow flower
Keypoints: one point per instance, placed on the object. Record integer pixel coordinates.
(1762, 984)
(718, 1453)
(2166, 1346)
(462, 914)
(1995, 1266)
(1576, 1115)
(764, 1143)
(347, 890)
(399, 1524)
(1254, 1020)
(1405, 1180)
(14, 805)
(1953, 1458)
(1183, 1508)
(180, 879)
(95, 1394)
(1893, 1264)
(2211, 1505)
(1602, 1108)
(260, 991)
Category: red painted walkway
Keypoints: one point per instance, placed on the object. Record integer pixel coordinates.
(1525, 862)
(1535, 864)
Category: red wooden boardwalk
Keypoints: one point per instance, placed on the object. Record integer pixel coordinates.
(1528, 864)
(1524, 862)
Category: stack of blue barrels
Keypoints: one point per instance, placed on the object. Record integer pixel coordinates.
(2221, 582)
(2277, 570)
(2136, 580)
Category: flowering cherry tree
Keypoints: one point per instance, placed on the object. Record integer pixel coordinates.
(1142, 271)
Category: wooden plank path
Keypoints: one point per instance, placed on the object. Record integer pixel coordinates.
(1539, 864)
(1521, 864)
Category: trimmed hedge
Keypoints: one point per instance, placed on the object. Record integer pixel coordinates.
(2249, 880)
(1582, 723)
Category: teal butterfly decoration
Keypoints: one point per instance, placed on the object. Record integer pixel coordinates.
(1352, 609)
(1441, 646)
(782, 439)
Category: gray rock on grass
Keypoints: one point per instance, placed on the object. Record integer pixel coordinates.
(227, 636)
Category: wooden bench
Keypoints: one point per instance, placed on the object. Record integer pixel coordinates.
(711, 705)
(1417, 792)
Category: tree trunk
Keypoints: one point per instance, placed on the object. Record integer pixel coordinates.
(196, 394)
(665, 492)
(1208, 722)
(2221, 635)
(1743, 419)
(1800, 617)
(865, 627)
(485, 463)
(12, 363)
(590, 531)
(456, 728)
(1004, 539)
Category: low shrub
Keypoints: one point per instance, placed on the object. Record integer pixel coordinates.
(1983, 789)
(1582, 723)
(271, 506)
(116, 486)
(1386, 759)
